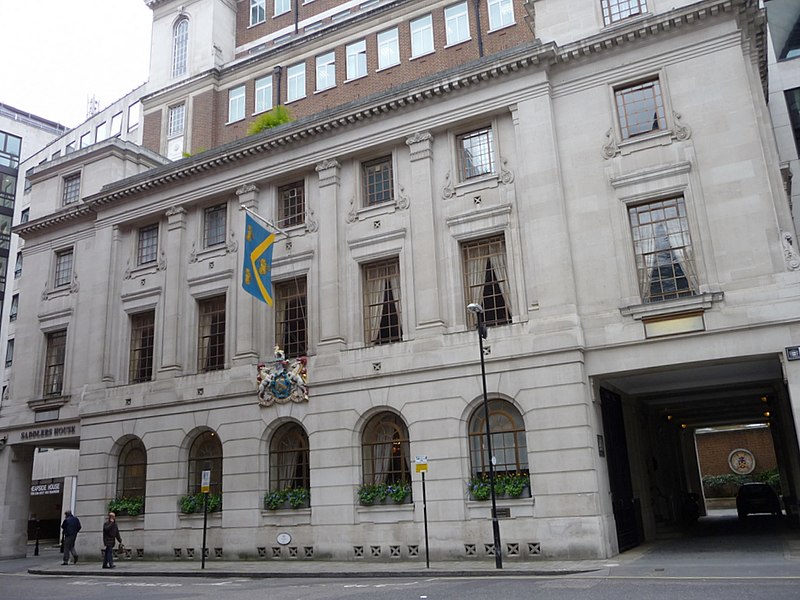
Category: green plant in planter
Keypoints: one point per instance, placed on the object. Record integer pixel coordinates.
(127, 505)
(193, 503)
(376, 493)
(479, 488)
(511, 485)
(277, 116)
(298, 497)
(295, 497)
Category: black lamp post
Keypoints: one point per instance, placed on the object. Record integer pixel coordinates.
(481, 328)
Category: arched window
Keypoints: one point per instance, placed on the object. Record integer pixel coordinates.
(384, 450)
(205, 455)
(288, 455)
(132, 470)
(508, 439)
(180, 47)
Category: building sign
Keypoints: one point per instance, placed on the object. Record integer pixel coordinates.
(49, 432)
(742, 461)
(45, 489)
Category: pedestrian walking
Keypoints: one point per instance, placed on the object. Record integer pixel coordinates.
(110, 537)
(70, 528)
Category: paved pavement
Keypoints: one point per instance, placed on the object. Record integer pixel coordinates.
(718, 547)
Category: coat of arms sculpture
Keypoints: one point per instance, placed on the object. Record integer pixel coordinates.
(281, 381)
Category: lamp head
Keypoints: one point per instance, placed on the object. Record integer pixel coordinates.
(474, 308)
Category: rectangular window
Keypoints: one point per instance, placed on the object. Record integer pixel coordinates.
(100, 132)
(214, 219)
(263, 93)
(501, 14)
(476, 153)
(258, 11)
(72, 189)
(116, 125)
(134, 110)
(456, 20)
(211, 335)
(236, 101)
(25, 215)
(10, 146)
(616, 10)
(86, 139)
(18, 266)
(62, 274)
(377, 181)
(326, 71)
(382, 316)
(8, 189)
(388, 48)
(147, 245)
(9, 353)
(70, 148)
(291, 204)
(175, 120)
(793, 106)
(663, 249)
(142, 346)
(282, 6)
(296, 81)
(55, 357)
(12, 314)
(422, 36)
(356, 59)
(640, 108)
(486, 279)
(290, 317)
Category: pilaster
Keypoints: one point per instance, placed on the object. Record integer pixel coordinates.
(174, 320)
(425, 251)
(331, 292)
(245, 351)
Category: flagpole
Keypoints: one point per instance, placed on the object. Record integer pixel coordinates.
(267, 222)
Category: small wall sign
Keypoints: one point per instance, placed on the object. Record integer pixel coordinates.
(283, 538)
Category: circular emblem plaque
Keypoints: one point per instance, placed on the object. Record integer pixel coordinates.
(283, 539)
(741, 461)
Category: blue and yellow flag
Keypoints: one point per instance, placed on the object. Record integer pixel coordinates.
(257, 272)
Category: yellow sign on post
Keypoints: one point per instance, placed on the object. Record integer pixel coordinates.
(422, 464)
(205, 482)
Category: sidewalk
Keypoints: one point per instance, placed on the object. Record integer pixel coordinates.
(49, 563)
(718, 547)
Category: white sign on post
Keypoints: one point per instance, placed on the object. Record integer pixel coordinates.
(422, 463)
(205, 482)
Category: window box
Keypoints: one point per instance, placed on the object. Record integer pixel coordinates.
(193, 503)
(506, 485)
(384, 493)
(289, 498)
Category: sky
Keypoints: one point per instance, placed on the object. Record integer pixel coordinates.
(59, 53)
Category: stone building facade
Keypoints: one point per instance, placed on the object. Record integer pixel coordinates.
(600, 176)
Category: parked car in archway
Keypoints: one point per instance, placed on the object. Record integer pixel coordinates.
(754, 498)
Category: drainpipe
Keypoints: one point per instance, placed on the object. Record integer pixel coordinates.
(296, 16)
(478, 27)
(277, 74)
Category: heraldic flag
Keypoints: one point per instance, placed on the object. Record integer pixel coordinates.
(257, 272)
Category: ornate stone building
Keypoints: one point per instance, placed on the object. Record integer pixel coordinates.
(601, 176)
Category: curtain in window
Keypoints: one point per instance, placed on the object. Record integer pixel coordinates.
(375, 288)
(289, 458)
(393, 286)
(498, 265)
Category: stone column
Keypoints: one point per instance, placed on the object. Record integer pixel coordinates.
(245, 351)
(16, 466)
(331, 293)
(425, 216)
(174, 293)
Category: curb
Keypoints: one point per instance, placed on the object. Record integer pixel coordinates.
(308, 575)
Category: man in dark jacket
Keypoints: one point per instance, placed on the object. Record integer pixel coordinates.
(110, 537)
(70, 527)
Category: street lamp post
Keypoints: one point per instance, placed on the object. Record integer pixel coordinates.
(481, 328)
